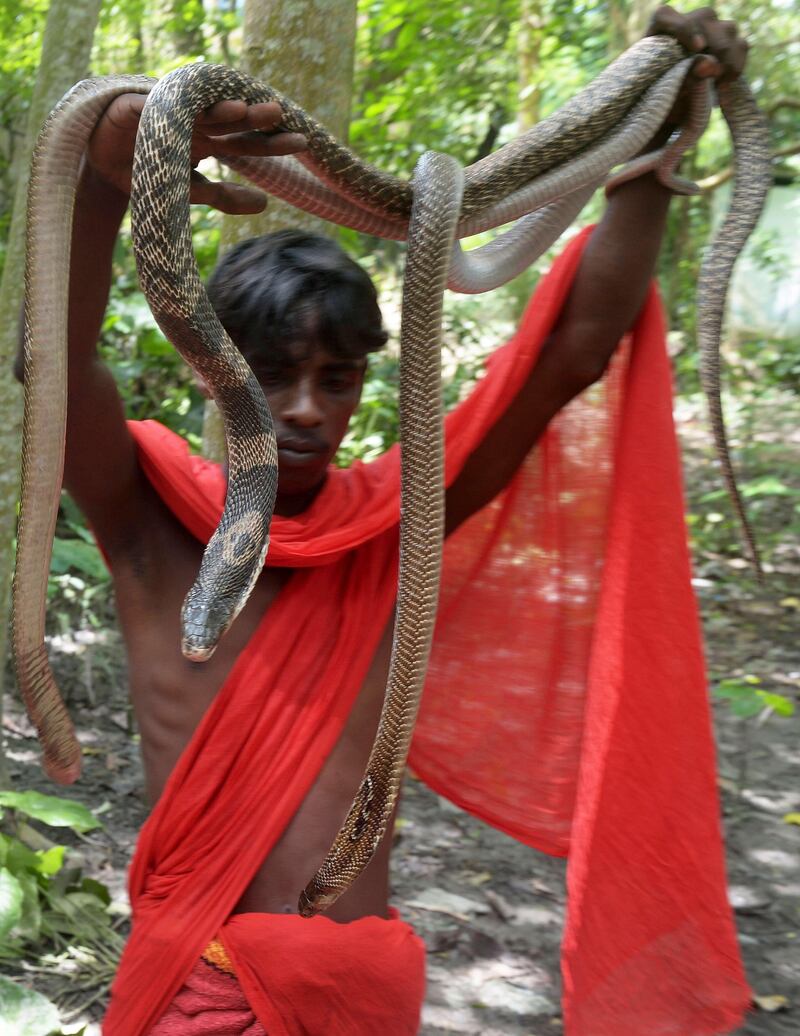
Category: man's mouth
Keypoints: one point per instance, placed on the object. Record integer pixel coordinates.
(299, 451)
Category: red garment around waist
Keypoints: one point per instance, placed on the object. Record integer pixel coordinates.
(208, 1003)
(315, 977)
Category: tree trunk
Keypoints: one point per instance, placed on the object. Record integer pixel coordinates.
(529, 45)
(66, 49)
(305, 49)
(639, 13)
(627, 21)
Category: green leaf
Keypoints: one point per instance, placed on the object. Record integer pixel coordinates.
(30, 922)
(733, 689)
(56, 812)
(767, 486)
(777, 702)
(24, 1012)
(84, 904)
(51, 860)
(96, 889)
(20, 858)
(11, 896)
(78, 555)
(746, 707)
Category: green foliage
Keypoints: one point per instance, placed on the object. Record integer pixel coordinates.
(422, 81)
(21, 25)
(374, 427)
(24, 1012)
(50, 809)
(49, 912)
(747, 698)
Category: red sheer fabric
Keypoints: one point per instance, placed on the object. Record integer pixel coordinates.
(566, 701)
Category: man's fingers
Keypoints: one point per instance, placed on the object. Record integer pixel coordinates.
(232, 198)
(238, 116)
(700, 20)
(701, 30)
(737, 57)
(706, 67)
(687, 30)
(125, 110)
(236, 128)
(223, 112)
(258, 143)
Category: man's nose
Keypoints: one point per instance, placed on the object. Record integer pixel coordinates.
(302, 408)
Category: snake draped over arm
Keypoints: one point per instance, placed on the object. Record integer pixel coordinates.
(538, 182)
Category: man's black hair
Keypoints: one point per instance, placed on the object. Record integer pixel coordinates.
(278, 289)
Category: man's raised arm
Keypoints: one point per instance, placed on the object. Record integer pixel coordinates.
(608, 292)
(101, 470)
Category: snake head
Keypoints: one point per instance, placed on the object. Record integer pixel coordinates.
(315, 900)
(204, 619)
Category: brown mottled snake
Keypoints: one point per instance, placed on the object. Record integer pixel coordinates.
(540, 180)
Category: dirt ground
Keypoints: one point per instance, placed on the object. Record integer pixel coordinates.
(489, 909)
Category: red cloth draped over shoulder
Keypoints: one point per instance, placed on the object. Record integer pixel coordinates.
(566, 702)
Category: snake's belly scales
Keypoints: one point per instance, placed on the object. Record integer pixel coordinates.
(541, 180)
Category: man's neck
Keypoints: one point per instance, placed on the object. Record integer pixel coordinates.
(289, 505)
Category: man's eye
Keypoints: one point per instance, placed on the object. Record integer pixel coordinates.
(340, 383)
(271, 377)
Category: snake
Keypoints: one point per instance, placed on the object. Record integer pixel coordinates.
(539, 180)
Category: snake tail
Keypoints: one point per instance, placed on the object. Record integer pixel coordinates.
(438, 185)
(55, 167)
(752, 179)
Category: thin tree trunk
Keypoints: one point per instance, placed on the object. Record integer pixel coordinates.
(627, 21)
(529, 46)
(66, 49)
(639, 13)
(305, 49)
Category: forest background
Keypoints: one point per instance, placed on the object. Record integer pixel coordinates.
(400, 77)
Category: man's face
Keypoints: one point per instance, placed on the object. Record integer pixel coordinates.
(312, 395)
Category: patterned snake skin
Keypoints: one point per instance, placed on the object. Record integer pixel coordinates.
(432, 212)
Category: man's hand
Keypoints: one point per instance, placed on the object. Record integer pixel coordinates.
(227, 128)
(722, 53)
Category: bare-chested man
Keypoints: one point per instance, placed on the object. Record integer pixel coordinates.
(311, 372)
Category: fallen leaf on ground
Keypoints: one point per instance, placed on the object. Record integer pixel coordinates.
(480, 879)
(772, 1003)
(792, 818)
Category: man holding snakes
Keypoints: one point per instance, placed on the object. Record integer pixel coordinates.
(305, 317)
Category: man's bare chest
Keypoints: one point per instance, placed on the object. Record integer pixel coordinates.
(169, 693)
(170, 696)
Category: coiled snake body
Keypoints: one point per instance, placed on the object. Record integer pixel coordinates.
(541, 179)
